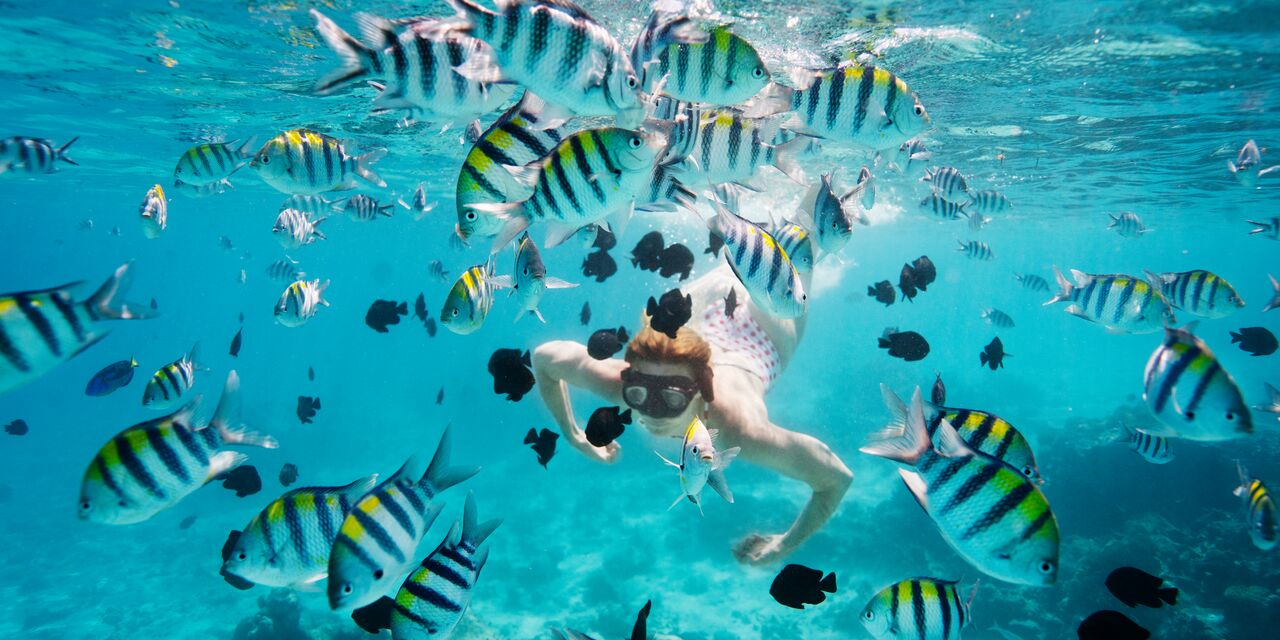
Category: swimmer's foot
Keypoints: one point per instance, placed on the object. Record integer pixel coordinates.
(759, 549)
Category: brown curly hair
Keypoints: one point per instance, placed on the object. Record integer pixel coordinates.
(687, 348)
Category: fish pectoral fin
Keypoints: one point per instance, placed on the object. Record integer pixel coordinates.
(556, 283)
(916, 485)
(310, 584)
(717, 481)
(679, 498)
(664, 459)
(557, 233)
(224, 462)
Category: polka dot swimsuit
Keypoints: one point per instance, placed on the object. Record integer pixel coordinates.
(740, 341)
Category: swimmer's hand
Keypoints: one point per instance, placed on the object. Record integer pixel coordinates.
(607, 454)
(760, 549)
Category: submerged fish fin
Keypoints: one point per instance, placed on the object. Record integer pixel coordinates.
(828, 583)
(557, 233)
(374, 617)
(949, 443)
(677, 501)
(61, 154)
(619, 220)
(906, 439)
(364, 167)
(724, 458)
(226, 419)
(771, 100)
(105, 302)
(917, 486)
(474, 531)
(222, 462)
(357, 489)
(784, 158)
(537, 314)
(553, 282)
(438, 477)
(664, 459)
(502, 282)
(717, 481)
(515, 224)
(358, 60)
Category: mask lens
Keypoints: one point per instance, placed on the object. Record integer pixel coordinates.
(635, 396)
(674, 399)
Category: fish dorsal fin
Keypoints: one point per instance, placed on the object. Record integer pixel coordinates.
(948, 442)
(359, 488)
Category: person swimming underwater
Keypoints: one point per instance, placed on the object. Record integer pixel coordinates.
(719, 368)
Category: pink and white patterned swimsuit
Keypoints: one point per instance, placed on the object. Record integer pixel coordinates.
(740, 341)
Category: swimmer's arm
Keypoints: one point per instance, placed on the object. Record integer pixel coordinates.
(560, 363)
(804, 458)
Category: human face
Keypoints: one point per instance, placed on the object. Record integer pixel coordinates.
(663, 394)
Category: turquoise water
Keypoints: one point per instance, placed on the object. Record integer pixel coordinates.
(1073, 110)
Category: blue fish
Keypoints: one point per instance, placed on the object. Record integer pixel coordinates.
(111, 378)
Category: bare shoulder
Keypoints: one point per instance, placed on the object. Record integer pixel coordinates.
(739, 410)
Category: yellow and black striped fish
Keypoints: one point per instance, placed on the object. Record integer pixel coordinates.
(917, 609)
(989, 434)
(761, 264)
(724, 70)
(469, 301)
(434, 597)
(1190, 393)
(723, 145)
(211, 163)
(1260, 510)
(32, 155)
(151, 466)
(304, 162)
(1199, 292)
(1121, 303)
(288, 542)
(376, 542)
(41, 329)
(170, 383)
(992, 515)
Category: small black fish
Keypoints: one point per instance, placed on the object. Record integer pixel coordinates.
(669, 313)
(605, 240)
(187, 522)
(939, 393)
(111, 378)
(993, 354)
(923, 272)
(311, 373)
(714, 244)
(17, 428)
(676, 259)
(731, 302)
(606, 424)
(235, 343)
(307, 408)
(227, 548)
(440, 396)
(599, 265)
(544, 444)
(606, 343)
(1256, 340)
(244, 480)
(797, 585)
(154, 306)
(585, 315)
(383, 313)
(647, 256)
(430, 324)
(1110, 625)
(883, 292)
(908, 345)
(1135, 587)
(288, 474)
(420, 308)
(511, 373)
(375, 616)
(907, 283)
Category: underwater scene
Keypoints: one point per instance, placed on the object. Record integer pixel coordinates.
(674, 320)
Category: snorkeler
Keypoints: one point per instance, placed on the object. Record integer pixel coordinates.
(719, 367)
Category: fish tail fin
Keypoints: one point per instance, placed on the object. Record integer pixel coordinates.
(972, 593)
(1243, 489)
(61, 152)
(222, 462)
(982, 357)
(358, 60)
(1115, 220)
(1168, 594)
(772, 100)
(226, 419)
(105, 302)
(785, 158)
(246, 150)
(905, 438)
(474, 531)
(363, 166)
(828, 583)
(1065, 288)
(438, 476)
(375, 617)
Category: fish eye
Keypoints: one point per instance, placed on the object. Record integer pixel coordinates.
(84, 505)
(1191, 415)
(919, 110)
(377, 575)
(635, 142)
(1047, 567)
(455, 313)
(1028, 471)
(1231, 416)
(471, 215)
(122, 503)
(757, 73)
(869, 615)
(242, 556)
(695, 449)
(264, 158)
(632, 82)
(346, 588)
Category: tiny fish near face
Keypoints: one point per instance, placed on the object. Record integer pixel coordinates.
(701, 465)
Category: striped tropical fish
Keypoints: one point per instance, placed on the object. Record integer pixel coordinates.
(1199, 292)
(1260, 510)
(1190, 393)
(976, 250)
(1248, 165)
(285, 269)
(992, 515)
(918, 609)
(151, 466)
(864, 105)
(206, 190)
(942, 208)
(300, 302)
(304, 162)
(591, 174)
(1122, 304)
(1273, 400)
(948, 183)
(1269, 228)
(288, 543)
(1153, 449)
(796, 242)
(32, 155)
(1032, 281)
(418, 203)
(723, 70)
(313, 206)
(665, 193)
(417, 61)
(987, 201)
(362, 208)
(469, 301)
(1127, 224)
(913, 151)
(296, 228)
(211, 163)
(435, 596)
(729, 147)
(986, 433)
(41, 329)
(520, 136)
(170, 383)
(997, 318)
(760, 263)
(154, 212)
(558, 51)
(529, 280)
(377, 540)
(829, 216)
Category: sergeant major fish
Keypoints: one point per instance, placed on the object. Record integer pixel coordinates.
(726, 146)
(1127, 224)
(530, 281)
(285, 269)
(295, 228)
(210, 164)
(287, 544)
(942, 208)
(1122, 304)
(948, 183)
(918, 609)
(43, 328)
(300, 302)
(303, 162)
(1248, 165)
(761, 264)
(375, 542)
(151, 466)
(171, 382)
(154, 212)
(796, 242)
(1153, 449)
(418, 203)
(701, 465)
(1199, 292)
(19, 154)
(362, 208)
(976, 250)
(828, 215)
(313, 206)
(1260, 510)
(986, 433)
(723, 69)
(1190, 393)
(992, 515)
(469, 301)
